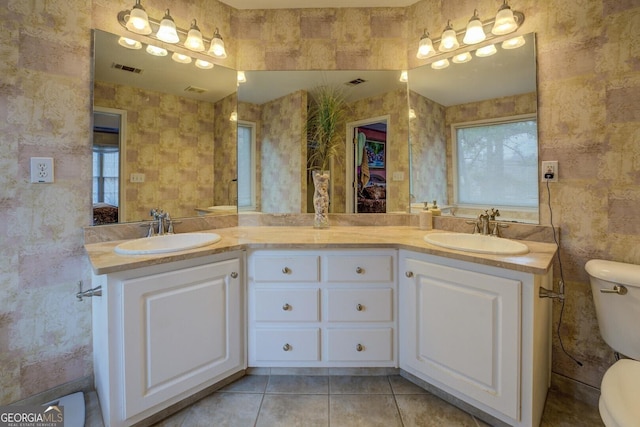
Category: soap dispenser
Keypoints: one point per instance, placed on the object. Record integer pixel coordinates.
(425, 218)
(435, 210)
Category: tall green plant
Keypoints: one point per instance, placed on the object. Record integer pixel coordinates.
(327, 113)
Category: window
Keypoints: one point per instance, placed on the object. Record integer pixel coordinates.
(496, 162)
(246, 165)
(105, 175)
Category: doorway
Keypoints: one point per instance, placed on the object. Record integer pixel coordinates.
(367, 166)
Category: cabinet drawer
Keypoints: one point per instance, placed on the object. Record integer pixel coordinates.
(360, 344)
(273, 345)
(371, 268)
(286, 305)
(360, 305)
(286, 269)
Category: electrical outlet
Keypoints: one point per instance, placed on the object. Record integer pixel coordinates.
(549, 171)
(41, 170)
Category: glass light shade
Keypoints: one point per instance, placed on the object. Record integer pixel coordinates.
(412, 114)
(241, 77)
(486, 51)
(425, 48)
(505, 22)
(404, 76)
(156, 51)
(167, 31)
(449, 41)
(138, 20)
(194, 38)
(182, 59)
(475, 33)
(513, 43)
(202, 64)
(217, 46)
(129, 44)
(233, 117)
(462, 58)
(439, 65)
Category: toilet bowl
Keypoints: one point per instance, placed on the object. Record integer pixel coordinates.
(616, 294)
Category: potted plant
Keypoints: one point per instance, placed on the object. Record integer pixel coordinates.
(325, 121)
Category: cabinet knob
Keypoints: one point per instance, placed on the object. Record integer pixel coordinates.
(359, 307)
(286, 270)
(409, 274)
(359, 347)
(234, 275)
(286, 347)
(286, 307)
(359, 270)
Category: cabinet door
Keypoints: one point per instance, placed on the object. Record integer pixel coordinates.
(462, 329)
(181, 329)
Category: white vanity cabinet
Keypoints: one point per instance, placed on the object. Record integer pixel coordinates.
(165, 332)
(478, 332)
(328, 308)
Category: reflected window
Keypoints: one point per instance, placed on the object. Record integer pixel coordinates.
(246, 165)
(496, 162)
(105, 175)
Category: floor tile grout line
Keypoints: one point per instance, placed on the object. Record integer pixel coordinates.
(393, 393)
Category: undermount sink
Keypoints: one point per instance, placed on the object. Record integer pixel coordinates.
(477, 243)
(166, 243)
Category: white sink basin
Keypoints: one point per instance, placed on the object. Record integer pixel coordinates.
(477, 243)
(166, 243)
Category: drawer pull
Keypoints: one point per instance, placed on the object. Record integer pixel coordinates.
(234, 275)
(359, 307)
(286, 270)
(286, 347)
(286, 307)
(409, 274)
(359, 347)
(359, 270)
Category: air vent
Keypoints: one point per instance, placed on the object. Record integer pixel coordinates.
(194, 89)
(127, 68)
(355, 82)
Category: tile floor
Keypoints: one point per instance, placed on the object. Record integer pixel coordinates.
(367, 401)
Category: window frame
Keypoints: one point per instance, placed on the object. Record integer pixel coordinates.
(454, 159)
(253, 163)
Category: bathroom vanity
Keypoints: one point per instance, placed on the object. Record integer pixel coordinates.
(470, 327)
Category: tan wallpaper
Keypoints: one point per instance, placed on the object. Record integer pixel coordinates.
(589, 116)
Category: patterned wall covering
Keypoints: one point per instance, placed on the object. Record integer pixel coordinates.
(225, 137)
(170, 140)
(589, 116)
(252, 113)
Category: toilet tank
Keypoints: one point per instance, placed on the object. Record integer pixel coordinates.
(618, 313)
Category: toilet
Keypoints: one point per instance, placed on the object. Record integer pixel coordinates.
(616, 293)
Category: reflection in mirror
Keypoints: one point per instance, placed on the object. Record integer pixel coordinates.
(273, 105)
(179, 150)
(445, 166)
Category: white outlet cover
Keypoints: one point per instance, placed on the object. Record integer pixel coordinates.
(42, 170)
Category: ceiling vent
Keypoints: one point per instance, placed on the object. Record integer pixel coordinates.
(195, 89)
(355, 82)
(127, 68)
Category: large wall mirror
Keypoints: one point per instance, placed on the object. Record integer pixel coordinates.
(163, 137)
(471, 123)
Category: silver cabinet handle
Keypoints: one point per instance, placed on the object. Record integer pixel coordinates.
(359, 270)
(409, 274)
(617, 289)
(359, 347)
(286, 347)
(234, 275)
(286, 307)
(359, 307)
(286, 270)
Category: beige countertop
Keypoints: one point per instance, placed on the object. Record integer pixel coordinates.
(104, 260)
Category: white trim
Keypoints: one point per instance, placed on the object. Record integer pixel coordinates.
(252, 126)
(349, 160)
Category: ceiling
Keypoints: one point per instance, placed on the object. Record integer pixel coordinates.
(299, 4)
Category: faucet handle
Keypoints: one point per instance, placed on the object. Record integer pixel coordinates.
(496, 229)
(494, 213)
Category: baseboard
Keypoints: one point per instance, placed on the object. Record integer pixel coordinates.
(82, 384)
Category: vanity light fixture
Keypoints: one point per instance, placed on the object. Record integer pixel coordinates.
(475, 32)
(204, 65)
(462, 58)
(242, 78)
(505, 21)
(425, 47)
(233, 117)
(138, 20)
(449, 40)
(513, 43)
(129, 43)
(404, 76)
(194, 38)
(156, 51)
(439, 65)
(217, 46)
(167, 31)
(180, 58)
(486, 51)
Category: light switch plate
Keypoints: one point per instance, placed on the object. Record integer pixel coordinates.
(42, 170)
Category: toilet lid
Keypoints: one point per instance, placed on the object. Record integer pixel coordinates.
(620, 392)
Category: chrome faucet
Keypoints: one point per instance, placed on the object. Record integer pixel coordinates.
(483, 224)
(159, 216)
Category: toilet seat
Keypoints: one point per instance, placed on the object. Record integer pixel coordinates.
(620, 394)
